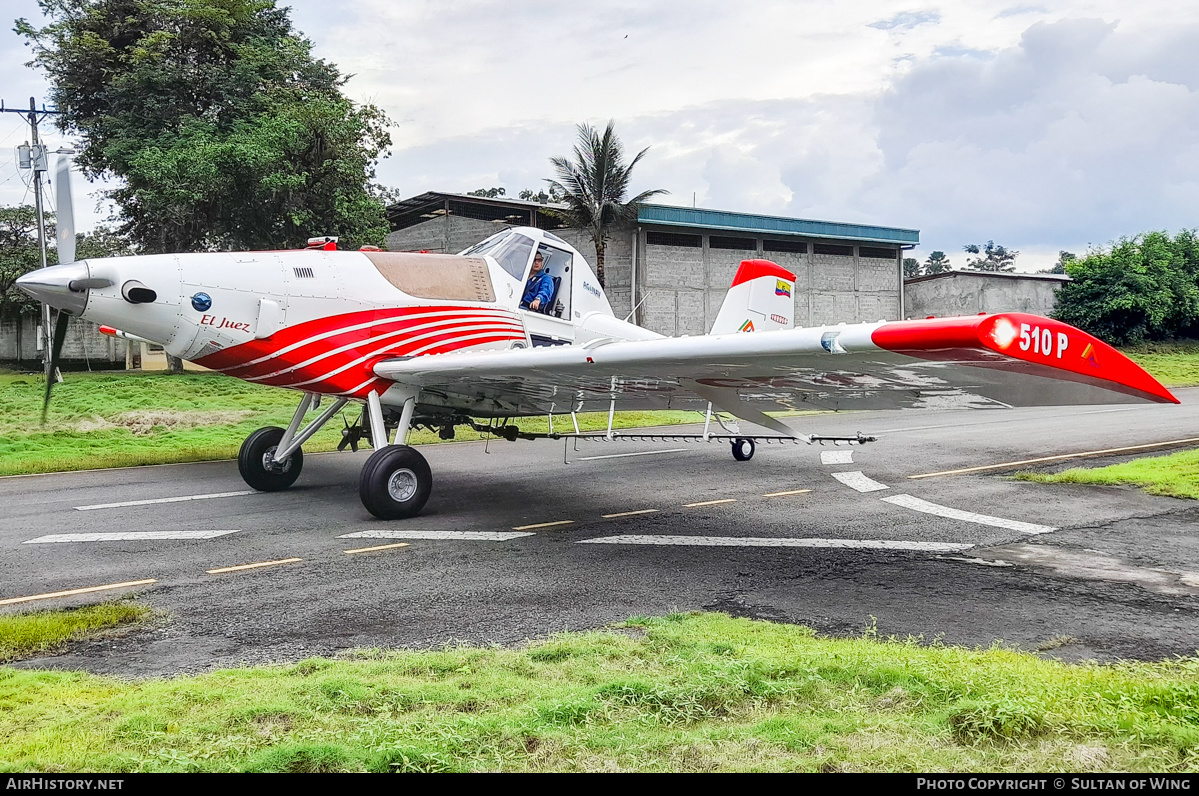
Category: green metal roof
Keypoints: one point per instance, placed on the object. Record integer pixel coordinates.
(774, 225)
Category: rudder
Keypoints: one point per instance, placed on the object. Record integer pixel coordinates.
(759, 300)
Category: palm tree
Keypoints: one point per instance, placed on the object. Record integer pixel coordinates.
(594, 183)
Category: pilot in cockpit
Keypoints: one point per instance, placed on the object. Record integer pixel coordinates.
(539, 288)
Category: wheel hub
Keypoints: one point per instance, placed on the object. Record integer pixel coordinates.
(270, 465)
(401, 486)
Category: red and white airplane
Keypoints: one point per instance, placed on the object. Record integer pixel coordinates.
(438, 341)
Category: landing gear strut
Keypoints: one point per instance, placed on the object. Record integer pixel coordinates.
(270, 459)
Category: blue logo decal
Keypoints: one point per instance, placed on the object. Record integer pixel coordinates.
(202, 302)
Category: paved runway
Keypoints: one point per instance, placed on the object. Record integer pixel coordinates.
(516, 543)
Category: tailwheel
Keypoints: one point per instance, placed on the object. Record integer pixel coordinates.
(256, 461)
(395, 482)
(743, 449)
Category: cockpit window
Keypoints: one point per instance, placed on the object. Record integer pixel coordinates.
(513, 254)
(486, 245)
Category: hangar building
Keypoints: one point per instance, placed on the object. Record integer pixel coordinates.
(672, 268)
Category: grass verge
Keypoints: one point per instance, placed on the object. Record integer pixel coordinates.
(41, 632)
(1175, 475)
(118, 419)
(1173, 364)
(698, 692)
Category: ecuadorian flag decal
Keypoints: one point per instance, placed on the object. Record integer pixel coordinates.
(781, 288)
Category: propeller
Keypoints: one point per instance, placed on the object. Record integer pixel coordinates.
(65, 238)
(60, 334)
(350, 435)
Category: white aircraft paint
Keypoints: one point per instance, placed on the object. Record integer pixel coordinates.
(836, 457)
(127, 536)
(755, 541)
(855, 480)
(179, 499)
(916, 504)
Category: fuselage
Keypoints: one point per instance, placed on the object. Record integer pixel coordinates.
(319, 321)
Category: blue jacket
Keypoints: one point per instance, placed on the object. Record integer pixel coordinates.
(540, 285)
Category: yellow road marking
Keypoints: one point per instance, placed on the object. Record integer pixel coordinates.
(1057, 458)
(258, 565)
(376, 547)
(784, 494)
(543, 525)
(70, 592)
(629, 513)
(709, 503)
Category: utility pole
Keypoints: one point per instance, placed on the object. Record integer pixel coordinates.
(39, 162)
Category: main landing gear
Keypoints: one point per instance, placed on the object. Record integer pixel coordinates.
(395, 482)
(743, 449)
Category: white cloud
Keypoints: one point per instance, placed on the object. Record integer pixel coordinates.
(1038, 126)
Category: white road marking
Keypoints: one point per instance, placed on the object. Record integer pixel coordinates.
(916, 504)
(836, 457)
(855, 480)
(709, 503)
(1059, 457)
(72, 592)
(623, 455)
(981, 561)
(754, 541)
(629, 513)
(460, 536)
(255, 565)
(166, 500)
(127, 536)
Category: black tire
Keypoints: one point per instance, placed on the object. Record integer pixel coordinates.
(395, 483)
(743, 449)
(252, 461)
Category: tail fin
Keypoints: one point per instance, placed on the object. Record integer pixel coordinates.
(759, 301)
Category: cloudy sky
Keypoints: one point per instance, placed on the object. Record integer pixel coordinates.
(1041, 126)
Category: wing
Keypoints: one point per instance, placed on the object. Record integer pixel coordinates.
(1010, 359)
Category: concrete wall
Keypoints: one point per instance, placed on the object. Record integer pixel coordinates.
(972, 292)
(83, 345)
(680, 289)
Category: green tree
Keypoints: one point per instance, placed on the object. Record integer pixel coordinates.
(911, 268)
(937, 263)
(1064, 258)
(594, 183)
(991, 257)
(488, 193)
(1144, 288)
(224, 129)
(542, 197)
(19, 254)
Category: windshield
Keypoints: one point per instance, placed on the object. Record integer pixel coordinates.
(513, 254)
(486, 245)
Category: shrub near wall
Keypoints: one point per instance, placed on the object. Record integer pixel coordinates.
(1144, 288)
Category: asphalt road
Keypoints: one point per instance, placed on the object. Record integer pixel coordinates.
(1079, 572)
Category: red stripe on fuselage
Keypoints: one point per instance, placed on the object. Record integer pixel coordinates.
(336, 354)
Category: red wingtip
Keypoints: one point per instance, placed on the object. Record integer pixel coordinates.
(108, 330)
(1040, 342)
(753, 269)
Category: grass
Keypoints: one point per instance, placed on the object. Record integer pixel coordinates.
(697, 692)
(119, 419)
(42, 632)
(1175, 475)
(1173, 364)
